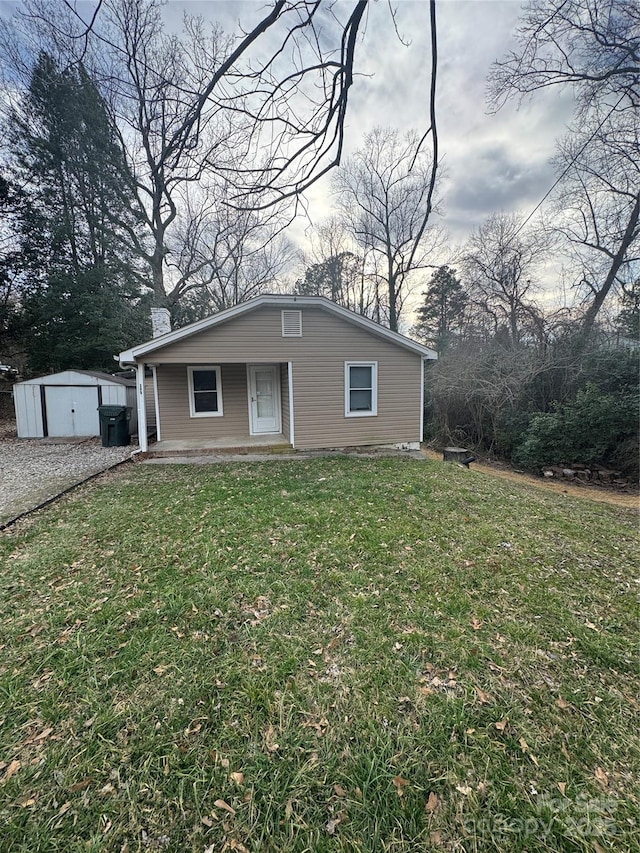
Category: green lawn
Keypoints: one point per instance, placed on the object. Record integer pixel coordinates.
(323, 655)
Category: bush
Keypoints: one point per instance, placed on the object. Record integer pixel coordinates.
(590, 430)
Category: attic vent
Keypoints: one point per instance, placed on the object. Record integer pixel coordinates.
(291, 324)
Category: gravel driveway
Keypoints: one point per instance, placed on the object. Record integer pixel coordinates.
(33, 470)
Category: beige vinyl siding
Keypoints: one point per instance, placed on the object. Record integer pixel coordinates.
(251, 338)
(318, 379)
(175, 421)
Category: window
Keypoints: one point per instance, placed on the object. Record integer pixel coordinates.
(291, 324)
(205, 392)
(360, 388)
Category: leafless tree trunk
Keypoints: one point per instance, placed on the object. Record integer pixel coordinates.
(594, 47)
(500, 264)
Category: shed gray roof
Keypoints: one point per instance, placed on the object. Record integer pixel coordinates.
(101, 378)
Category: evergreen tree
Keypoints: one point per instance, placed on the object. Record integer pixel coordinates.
(11, 267)
(442, 310)
(83, 296)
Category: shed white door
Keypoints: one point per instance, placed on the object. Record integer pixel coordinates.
(72, 410)
(264, 398)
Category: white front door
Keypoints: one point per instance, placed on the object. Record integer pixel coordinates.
(72, 410)
(264, 398)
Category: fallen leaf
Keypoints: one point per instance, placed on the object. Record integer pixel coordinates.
(483, 698)
(238, 778)
(220, 804)
(435, 838)
(565, 751)
(400, 784)
(332, 825)
(464, 789)
(501, 725)
(12, 769)
(160, 669)
(42, 736)
(234, 844)
(476, 624)
(562, 703)
(601, 776)
(562, 786)
(432, 803)
(207, 821)
(64, 809)
(339, 791)
(524, 746)
(88, 723)
(27, 802)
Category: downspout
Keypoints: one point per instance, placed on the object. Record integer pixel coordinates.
(292, 435)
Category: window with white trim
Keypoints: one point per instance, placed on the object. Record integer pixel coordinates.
(291, 324)
(205, 391)
(360, 389)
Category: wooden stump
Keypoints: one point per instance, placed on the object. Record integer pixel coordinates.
(460, 455)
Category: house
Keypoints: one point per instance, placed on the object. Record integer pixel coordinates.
(299, 370)
(66, 404)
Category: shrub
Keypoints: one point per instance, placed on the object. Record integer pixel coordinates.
(590, 430)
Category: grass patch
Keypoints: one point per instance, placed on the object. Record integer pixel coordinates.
(328, 655)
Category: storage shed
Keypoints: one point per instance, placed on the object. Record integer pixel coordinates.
(66, 404)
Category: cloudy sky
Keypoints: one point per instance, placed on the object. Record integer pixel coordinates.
(492, 163)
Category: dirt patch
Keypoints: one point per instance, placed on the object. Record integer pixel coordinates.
(625, 499)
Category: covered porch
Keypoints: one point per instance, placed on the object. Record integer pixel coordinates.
(220, 406)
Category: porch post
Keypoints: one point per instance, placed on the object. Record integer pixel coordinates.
(421, 439)
(292, 435)
(142, 409)
(155, 401)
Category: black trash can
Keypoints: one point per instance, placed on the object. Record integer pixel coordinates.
(114, 425)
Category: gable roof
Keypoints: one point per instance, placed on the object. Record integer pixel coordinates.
(130, 356)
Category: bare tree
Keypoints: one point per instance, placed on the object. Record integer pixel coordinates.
(229, 255)
(593, 46)
(264, 112)
(385, 197)
(334, 268)
(597, 208)
(500, 265)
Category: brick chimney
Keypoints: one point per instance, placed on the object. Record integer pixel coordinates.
(160, 321)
